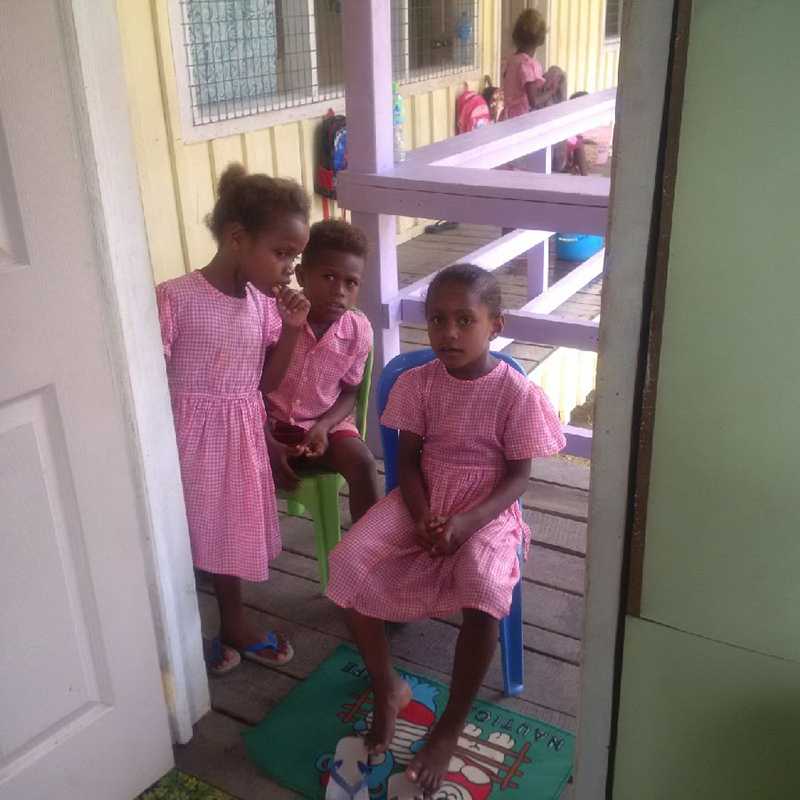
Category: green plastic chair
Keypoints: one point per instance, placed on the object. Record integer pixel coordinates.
(318, 492)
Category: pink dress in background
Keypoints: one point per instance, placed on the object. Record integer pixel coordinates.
(470, 429)
(214, 346)
(520, 69)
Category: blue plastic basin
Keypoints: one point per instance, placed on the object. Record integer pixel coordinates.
(577, 246)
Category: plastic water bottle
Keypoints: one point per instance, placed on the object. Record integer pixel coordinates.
(397, 123)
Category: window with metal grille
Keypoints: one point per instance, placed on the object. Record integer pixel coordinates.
(241, 58)
(613, 20)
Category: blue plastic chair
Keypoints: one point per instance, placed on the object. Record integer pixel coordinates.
(511, 626)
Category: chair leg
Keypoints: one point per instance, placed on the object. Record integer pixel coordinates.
(294, 509)
(511, 645)
(330, 516)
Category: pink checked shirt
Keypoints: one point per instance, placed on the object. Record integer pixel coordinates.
(520, 70)
(318, 371)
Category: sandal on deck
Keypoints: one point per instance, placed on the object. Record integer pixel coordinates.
(441, 226)
(268, 651)
(348, 771)
(221, 659)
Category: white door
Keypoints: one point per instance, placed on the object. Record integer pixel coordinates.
(82, 712)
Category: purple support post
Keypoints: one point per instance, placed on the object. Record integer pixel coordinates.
(539, 256)
(368, 98)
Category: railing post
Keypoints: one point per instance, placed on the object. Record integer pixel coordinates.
(539, 256)
(368, 98)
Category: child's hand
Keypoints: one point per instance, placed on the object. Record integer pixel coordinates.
(427, 529)
(282, 473)
(315, 442)
(450, 535)
(292, 306)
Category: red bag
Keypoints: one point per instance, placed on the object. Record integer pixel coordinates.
(472, 112)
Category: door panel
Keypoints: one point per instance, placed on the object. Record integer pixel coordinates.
(83, 709)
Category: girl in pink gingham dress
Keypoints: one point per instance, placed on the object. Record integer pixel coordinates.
(447, 539)
(216, 325)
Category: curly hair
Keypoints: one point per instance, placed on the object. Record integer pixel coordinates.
(529, 31)
(336, 235)
(254, 201)
(476, 279)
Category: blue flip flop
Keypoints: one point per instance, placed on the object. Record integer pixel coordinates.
(268, 651)
(221, 658)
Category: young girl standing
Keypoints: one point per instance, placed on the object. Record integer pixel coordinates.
(216, 325)
(525, 85)
(447, 539)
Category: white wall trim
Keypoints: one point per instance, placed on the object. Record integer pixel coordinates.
(647, 31)
(136, 356)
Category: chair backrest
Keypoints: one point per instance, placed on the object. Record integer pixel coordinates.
(391, 372)
(362, 398)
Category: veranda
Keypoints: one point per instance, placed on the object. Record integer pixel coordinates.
(455, 180)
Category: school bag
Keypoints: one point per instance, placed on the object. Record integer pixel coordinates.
(332, 154)
(472, 111)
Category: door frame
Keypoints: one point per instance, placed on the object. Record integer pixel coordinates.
(634, 210)
(94, 55)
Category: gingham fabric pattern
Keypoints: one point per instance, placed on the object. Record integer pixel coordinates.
(214, 346)
(318, 371)
(470, 429)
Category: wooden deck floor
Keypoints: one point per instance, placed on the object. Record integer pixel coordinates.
(555, 506)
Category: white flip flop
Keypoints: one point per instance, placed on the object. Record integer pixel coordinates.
(349, 770)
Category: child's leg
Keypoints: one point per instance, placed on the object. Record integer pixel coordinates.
(391, 692)
(474, 650)
(351, 458)
(235, 629)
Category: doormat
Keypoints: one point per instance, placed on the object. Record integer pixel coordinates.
(177, 785)
(502, 755)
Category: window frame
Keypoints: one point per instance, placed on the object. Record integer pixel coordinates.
(192, 133)
(614, 39)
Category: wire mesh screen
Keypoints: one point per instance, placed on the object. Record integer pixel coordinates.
(245, 57)
(431, 38)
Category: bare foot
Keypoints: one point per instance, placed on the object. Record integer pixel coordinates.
(384, 716)
(429, 765)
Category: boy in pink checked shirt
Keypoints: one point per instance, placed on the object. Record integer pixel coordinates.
(311, 411)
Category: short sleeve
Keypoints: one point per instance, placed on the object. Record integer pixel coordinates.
(355, 373)
(273, 324)
(530, 71)
(405, 410)
(533, 429)
(166, 318)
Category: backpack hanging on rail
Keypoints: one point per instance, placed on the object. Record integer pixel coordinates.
(332, 153)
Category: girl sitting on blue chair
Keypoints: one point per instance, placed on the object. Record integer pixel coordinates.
(447, 539)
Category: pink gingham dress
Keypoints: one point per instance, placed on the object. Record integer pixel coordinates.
(214, 346)
(319, 369)
(470, 429)
(520, 70)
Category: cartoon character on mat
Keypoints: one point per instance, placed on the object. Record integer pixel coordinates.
(479, 765)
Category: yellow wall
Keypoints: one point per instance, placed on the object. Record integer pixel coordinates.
(177, 179)
(576, 43)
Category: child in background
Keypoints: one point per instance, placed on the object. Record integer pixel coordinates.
(525, 85)
(216, 325)
(588, 152)
(447, 539)
(311, 411)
